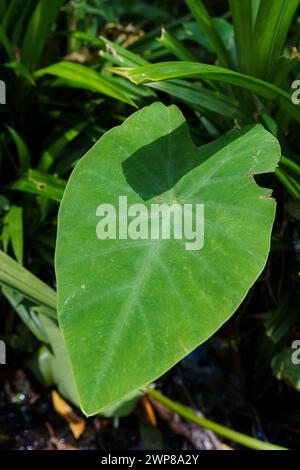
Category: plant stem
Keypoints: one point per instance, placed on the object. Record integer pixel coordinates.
(286, 162)
(223, 431)
(15, 276)
(285, 180)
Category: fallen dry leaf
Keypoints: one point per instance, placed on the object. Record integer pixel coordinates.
(77, 425)
(146, 404)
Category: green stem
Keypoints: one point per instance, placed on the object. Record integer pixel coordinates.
(287, 183)
(15, 276)
(287, 163)
(295, 183)
(223, 431)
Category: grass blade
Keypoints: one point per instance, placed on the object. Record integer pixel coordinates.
(38, 30)
(27, 315)
(242, 20)
(206, 24)
(12, 8)
(14, 221)
(85, 78)
(52, 152)
(176, 48)
(122, 55)
(22, 149)
(21, 70)
(168, 70)
(6, 43)
(41, 184)
(197, 96)
(269, 35)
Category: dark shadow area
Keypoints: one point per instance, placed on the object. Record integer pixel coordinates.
(157, 167)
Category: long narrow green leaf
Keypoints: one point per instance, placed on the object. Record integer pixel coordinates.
(14, 221)
(13, 275)
(27, 315)
(192, 32)
(6, 43)
(168, 70)
(270, 32)
(21, 21)
(38, 30)
(21, 70)
(42, 184)
(122, 55)
(85, 78)
(284, 66)
(242, 20)
(254, 10)
(190, 93)
(197, 96)
(51, 153)
(133, 91)
(22, 149)
(205, 22)
(176, 47)
(12, 8)
(92, 40)
(147, 42)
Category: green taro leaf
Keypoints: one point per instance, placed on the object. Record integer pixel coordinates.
(131, 309)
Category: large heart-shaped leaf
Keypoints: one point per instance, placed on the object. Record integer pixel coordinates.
(130, 309)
